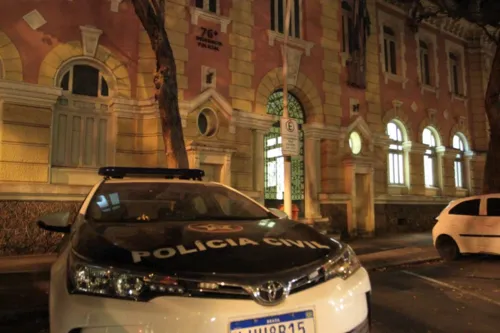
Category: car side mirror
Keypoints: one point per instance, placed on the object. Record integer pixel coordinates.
(55, 222)
(279, 213)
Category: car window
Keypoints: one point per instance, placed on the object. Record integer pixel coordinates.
(493, 206)
(469, 207)
(149, 202)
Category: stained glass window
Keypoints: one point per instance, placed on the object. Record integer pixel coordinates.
(274, 161)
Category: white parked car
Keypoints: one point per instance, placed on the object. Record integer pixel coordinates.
(161, 251)
(468, 225)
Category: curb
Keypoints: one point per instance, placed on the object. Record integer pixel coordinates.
(375, 266)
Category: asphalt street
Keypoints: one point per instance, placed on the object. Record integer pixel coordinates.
(438, 297)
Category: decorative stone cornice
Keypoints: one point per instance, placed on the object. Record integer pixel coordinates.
(415, 147)
(42, 192)
(257, 121)
(197, 13)
(320, 131)
(130, 108)
(29, 94)
(274, 36)
(211, 147)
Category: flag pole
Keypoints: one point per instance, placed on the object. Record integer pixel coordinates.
(287, 159)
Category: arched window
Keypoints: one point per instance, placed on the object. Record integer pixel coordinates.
(85, 80)
(81, 121)
(458, 143)
(396, 156)
(274, 160)
(430, 161)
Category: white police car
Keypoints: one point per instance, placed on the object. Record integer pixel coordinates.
(160, 251)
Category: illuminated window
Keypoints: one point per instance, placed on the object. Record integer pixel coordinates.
(458, 144)
(274, 161)
(430, 161)
(396, 156)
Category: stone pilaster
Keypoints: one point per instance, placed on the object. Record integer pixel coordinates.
(449, 188)
(240, 64)
(416, 166)
(331, 62)
(372, 91)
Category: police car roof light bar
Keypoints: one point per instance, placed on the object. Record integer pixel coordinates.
(121, 172)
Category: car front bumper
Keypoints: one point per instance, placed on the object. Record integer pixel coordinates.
(339, 306)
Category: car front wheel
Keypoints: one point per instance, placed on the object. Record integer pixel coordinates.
(447, 248)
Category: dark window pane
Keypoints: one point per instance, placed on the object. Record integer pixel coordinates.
(281, 17)
(199, 4)
(65, 82)
(423, 45)
(344, 38)
(389, 31)
(386, 55)
(212, 6)
(85, 80)
(455, 79)
(493, 207)
(346, 6)
(427, 73)
(104, 88)
(350, 27)
(393, 56)
(273, 22)
(297, 18)
(469, 207)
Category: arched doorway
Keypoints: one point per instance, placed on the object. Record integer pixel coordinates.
(274, 162)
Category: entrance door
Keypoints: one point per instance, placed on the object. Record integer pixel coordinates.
(212, 172)
(362, 203)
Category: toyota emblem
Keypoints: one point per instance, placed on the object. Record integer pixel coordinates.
(271, 293)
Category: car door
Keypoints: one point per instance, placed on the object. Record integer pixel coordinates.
(491, 239)
(464, 226)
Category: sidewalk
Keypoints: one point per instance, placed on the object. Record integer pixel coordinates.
(391, 250)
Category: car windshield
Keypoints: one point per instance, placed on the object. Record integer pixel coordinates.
(162, 201)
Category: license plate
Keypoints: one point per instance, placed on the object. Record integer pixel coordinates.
(295, 322)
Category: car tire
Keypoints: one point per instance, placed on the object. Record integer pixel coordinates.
(447, 248)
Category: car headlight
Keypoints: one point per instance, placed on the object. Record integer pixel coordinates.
(342, 266)
(88, 278)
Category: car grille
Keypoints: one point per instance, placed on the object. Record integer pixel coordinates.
(233, 291)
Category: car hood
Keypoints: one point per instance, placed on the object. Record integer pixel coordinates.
(229, 247)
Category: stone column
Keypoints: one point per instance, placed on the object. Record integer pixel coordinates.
(350, 189)
(448, 170)
(440, 152)
(258, 163)
(226, 170)
(312, 169)
(468, 184)
(477, 173)
(415, 164)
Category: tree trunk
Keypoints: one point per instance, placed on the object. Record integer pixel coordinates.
(151, 14)
(491, 181)
(168, 103)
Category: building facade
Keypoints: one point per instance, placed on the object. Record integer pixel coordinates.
(76, 87)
